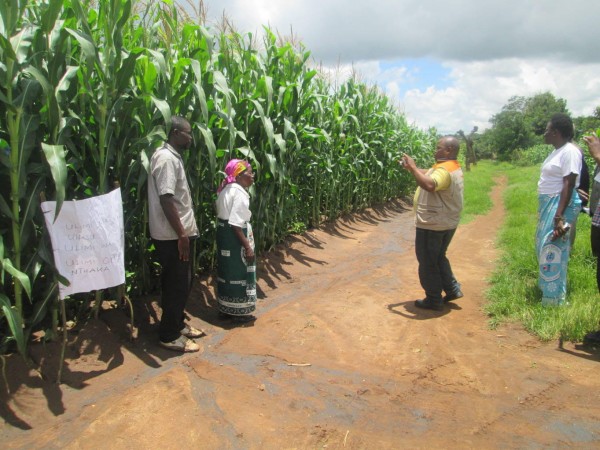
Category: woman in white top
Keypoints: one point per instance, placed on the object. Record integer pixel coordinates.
(559, 206)
(236, 282)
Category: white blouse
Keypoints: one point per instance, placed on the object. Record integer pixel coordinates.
(561, 162)
(233, 205)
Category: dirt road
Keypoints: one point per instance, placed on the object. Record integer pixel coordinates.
(339, 358)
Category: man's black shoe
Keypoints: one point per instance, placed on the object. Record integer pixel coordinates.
(453, 296)
(592, 338)
(428, 304)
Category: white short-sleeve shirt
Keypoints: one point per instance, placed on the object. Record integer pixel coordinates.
(167, 176)
(561, 162)
(233, 205)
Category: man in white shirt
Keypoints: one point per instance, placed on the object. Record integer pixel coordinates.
(172, 226)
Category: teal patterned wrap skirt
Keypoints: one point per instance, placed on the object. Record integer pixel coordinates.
(236, 279)
(553, 256)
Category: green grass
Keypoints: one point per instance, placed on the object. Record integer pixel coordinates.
(478, 184)
(514, 295)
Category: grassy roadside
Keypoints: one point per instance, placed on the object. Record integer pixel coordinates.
(514, 295)
(478, 184)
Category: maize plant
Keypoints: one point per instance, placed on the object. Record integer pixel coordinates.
(87, 92)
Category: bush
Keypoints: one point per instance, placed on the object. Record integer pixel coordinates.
(531, 156)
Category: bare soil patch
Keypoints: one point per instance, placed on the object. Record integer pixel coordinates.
(338, 358)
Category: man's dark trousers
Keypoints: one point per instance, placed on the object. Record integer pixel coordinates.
(176, 278)
(435, 273)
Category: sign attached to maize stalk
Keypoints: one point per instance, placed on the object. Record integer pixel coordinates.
(88, 240)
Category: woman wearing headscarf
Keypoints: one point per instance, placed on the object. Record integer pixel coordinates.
(236, 284)
(559, 206)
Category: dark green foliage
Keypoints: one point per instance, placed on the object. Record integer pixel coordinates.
(540, 108)
(521, 124)
(510, 132)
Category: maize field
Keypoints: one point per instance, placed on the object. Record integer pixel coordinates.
(87, 92)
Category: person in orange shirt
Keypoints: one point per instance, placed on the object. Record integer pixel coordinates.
(438, 205)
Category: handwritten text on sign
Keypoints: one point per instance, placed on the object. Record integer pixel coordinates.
(88, 240)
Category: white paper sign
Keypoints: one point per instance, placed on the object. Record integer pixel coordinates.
(88, 239)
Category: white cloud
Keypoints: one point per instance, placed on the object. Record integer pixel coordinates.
(392, 89)
(463, 29)
(492, 49)
(480, 89)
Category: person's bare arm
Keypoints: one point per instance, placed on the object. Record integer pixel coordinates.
(239, 233)
(423, 180)
(167, 202)
(593, 143)
(565, 197)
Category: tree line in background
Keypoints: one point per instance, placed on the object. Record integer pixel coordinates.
(87, 92)
(521, 123)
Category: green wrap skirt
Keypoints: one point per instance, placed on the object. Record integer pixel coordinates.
(236, 278)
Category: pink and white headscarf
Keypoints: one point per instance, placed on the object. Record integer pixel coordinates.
(232, 170)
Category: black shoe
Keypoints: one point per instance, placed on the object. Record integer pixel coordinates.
(429, 304)
(453, 296)
(592, 338)
(243, 319)
(224, 316)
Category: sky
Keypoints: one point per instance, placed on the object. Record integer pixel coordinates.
(448, 64)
